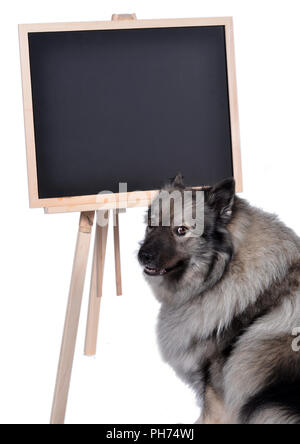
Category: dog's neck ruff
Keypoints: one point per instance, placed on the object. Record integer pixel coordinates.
(264, 249)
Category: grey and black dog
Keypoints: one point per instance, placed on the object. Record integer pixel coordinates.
(230, 307)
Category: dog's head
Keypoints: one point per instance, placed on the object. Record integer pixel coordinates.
(195, 235)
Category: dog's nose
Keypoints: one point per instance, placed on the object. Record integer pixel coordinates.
(146, 257)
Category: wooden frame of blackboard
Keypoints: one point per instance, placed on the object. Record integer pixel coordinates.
(132, 199)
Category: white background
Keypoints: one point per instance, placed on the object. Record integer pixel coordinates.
(127, 381)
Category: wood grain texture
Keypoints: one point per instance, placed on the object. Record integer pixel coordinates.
(103, 202)
(234, 109)
(101, 242)
(124, 24)
(117, 253)
(91, 338)
(72, 320)
(28, 119)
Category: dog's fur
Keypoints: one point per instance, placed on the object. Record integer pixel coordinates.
(229, 304)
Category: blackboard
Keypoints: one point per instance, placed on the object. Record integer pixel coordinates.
(127, 101)
(133, 106)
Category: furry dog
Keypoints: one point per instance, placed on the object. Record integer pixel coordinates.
(230, 304)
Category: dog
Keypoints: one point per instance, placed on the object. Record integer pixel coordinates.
(230, 307)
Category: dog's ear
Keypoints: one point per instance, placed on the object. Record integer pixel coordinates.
(177, 181)
(221, 198)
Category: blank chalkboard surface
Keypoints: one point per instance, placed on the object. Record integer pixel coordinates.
(131, 106)
(131, 102)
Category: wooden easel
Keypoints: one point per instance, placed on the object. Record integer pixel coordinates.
(76, 291)
(74, 303)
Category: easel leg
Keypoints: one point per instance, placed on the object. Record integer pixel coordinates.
(117, 253)
(72, 319)
(96, 288)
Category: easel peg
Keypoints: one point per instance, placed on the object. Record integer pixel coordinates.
(116, 17)
(86, 221)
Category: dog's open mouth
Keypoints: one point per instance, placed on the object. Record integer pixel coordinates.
(151, 271)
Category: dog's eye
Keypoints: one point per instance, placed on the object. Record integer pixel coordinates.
(181, 231)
